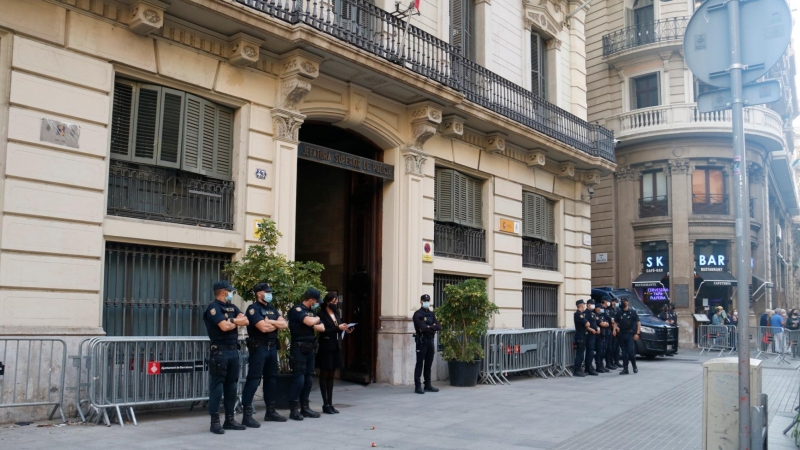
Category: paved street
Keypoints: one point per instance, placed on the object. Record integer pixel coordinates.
(659, 408)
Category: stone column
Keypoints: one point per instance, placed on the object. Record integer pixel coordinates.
(483, 32)
(627, 212)
(681, 277)
(577, 63)
(402, 250)
(298, 70)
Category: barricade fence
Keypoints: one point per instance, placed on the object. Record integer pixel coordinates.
(544, 352)
(717, 338)
(32, 373)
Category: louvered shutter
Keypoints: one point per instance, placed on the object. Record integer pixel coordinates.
(443, 200)
(469, 28)
(146, 124)
(171, 128)
(474, 203)
(223, 153)
(528, 214)
(457, 24)
(550, 217)
(460, 198)
(538, 65)
(122, 119)
(208, 119)
(192, 134)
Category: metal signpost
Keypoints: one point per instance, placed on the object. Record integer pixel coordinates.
(725, 51)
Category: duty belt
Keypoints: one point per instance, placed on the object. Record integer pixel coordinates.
(223, 347)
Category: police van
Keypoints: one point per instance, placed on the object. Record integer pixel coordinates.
(657, 338)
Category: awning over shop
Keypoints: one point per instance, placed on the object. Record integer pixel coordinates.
(718, 279)
(651, 279)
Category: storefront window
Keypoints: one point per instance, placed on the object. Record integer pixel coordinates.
(653, 283)
(713, 283)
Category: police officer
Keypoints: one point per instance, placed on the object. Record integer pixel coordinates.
(262, 344)
(222, 319)
(628, 329)
(302, 324)
(604, 322)
(613, 341)
(581, 327)
(666, 315)
(591, 337)
(426, 326)
(609, 334)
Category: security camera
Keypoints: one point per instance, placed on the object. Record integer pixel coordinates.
(617, 142)
(591, 192)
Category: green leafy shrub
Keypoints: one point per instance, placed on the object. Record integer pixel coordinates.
(464, 317)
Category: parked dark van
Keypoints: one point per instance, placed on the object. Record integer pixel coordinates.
(657, 338)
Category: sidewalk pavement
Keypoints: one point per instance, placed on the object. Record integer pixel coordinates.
(658, 408)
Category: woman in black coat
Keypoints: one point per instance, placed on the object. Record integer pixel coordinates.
(329, 356)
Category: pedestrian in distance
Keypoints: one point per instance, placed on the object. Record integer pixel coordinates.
(303, 322)
(222, 319)
(329, 357)
(264, 321)
(735, 318)
(581, 330)
(777, 322)
(591, 337)
(426, 325)
(673, 314)
(628, 329)
(793, 333)
(664, 315)
(716, 319)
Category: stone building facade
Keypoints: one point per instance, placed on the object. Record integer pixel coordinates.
(663, 224)
(142, 141)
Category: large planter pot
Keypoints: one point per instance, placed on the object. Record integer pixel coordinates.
(282, 393)
(464, 374)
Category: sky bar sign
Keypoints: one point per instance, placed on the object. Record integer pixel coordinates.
(344, 160)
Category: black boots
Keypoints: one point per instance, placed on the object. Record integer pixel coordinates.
(247, 418)
(306, 411)
(216, 428)
(231, 423)
(295, 411)
(635, 369)
(429, 388)
(327, 409)
(418, 390)
(624, 371)
(590, 371)
(579, 373)
(272, 415)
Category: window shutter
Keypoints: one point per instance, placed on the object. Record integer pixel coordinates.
(550, 214)
(208, 119)
(224, 144)
(457, 24)
(475, 204)
(121, 119)
(629, 20)
(146, 124)
(460, 198)
(469, 28)
(632, 89)
(171, 128)
(192, 134)
(538, 56)
(443, 201)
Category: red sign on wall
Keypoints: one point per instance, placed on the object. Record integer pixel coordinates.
(153, 368)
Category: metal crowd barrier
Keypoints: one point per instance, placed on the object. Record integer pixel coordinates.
(770, 341)
(121, 373)
(564, 352)
(32, 373)
(517, 351)
(719, 338)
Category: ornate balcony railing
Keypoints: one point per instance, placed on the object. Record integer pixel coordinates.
(646, 33)
(539, 254)
(168, 195)
(653, 206)
(381, 33)
(710, 204)
(459, 242)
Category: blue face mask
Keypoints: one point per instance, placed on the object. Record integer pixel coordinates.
(426, 305)
(268, 297)
(229, 297)
(315, 306)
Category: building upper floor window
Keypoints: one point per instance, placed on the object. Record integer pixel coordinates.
(709, 194)
(169, 128)
(538, 217)
(462, 26)
(645, 91)
(458, 198)
(355, 14)
(538, 65)
(653, 200)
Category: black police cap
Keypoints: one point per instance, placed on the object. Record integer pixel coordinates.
(311, 293)
(579, 302)
(262, 287)
(222, 284)
(425, 298)
(590, 302)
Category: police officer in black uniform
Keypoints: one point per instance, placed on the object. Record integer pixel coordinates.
(628, 329)
(302, 324)
(613, 350)
(426, 326)
(591, 336)
(581, 329)
(609, 334)
(222, 319)
(604, 322)
(262, 345)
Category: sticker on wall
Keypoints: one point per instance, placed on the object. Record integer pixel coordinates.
(427, 252)
(261, 174)
(587, 239)
(60, 133)
(510, 226)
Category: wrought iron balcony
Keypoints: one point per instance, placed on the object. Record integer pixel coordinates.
(383, 34)
(645, 33)
(456, 241)
(653, 206)
(167, 195)
(539, 254)
(710, 204)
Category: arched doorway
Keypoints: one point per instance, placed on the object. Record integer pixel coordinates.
(339, 225)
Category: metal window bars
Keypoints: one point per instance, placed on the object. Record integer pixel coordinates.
(653, 206)
(663, 30)
(386, 35)
(456, 241)
(710, 204)
(539, 254)
(539, 305)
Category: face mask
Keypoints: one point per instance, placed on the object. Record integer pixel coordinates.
(268, 297)
(315, 306)
(616, 305)
(426, 305)
(591, 307)
(229, 297)
(602, 310)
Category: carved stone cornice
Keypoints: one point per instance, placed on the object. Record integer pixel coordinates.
(245, 49)
(544, 16)
(425, 119)
(536, 159)
(286, 124)
(495, 143)
(589, 177)
(452, 126)
(756, 173)
(566, 170)
(298, 70)
(415, 162)
(146, 16)
(626, 173)
(682, 165)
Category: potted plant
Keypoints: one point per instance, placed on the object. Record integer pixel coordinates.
(289, 280)
(464, 317)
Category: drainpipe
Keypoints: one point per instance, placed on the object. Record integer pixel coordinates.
(569, 16)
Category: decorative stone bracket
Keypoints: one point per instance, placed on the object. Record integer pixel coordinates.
(452, 126)
(425, 118)
(536, 158)
(286, 124)
(626, 173)
(299, 68)
(245, 49)
(566, 170)
(682, 165)
(589, 177)
(147, 16)
(495, 143)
